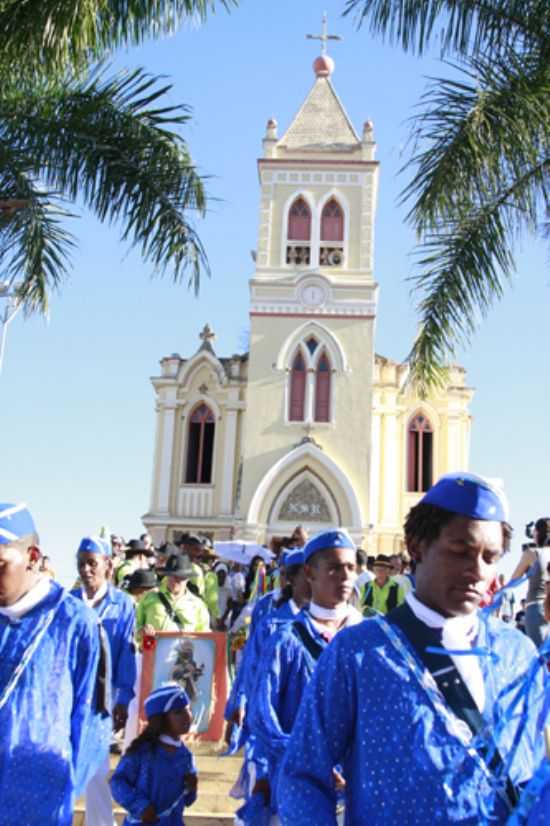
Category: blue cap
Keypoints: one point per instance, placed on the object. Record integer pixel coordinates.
(169, 697)
(327, 539)
(292, 556)
(15, 522)
(469, 495)
(95, 545)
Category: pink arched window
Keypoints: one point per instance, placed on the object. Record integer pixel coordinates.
(299, 221)
(297, 389)
(419, 454)
(200, 446)
(332, 222)
(322, 389)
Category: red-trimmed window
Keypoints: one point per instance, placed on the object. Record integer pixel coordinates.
(332, 222)
(322, 389)
(419, 454)
(200, 446)
(297, 389)
(299, 221)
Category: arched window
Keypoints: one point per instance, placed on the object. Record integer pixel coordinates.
(297, 389)
(331, 252)
(332, 222)
(322, 389)
(298, 249)
(419, 454)
(200, 446)
(299, 221)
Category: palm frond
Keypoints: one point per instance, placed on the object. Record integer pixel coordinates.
(463, 267)
(111, 142)
(465, 27)
(478, 134)
(54, 35)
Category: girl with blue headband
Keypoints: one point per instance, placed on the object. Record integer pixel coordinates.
(157, 778)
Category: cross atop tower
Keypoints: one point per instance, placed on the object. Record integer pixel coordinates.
(324, 37)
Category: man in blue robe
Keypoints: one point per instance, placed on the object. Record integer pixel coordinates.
(116, 612)
(290, 656)
(54, 722)
(420, 707)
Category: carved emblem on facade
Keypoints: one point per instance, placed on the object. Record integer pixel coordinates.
(306, 502)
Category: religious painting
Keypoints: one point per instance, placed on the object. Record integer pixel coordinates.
(198, 662)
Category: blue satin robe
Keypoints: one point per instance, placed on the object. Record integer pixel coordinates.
(282, 675)
(118, 617)
(365, 709)
(153, 775)
(53, 735)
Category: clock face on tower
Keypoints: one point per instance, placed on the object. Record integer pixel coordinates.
(313, 295)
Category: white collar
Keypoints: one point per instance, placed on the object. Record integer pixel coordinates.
(37, 593)
(458, 634)
(170, 741)
(467, 624)
(321, 613)
(293, 607)
(94, 601)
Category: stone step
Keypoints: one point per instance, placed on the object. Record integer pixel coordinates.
(191, 818)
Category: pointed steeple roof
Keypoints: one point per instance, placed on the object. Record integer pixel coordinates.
(322, 124)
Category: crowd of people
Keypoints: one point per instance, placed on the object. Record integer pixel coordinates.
(365, 689)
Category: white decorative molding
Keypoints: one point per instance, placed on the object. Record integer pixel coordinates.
(290, 307)
(195, 501)
(190, 367)
(317, 178)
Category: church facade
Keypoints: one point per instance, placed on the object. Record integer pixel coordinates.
(311, 426)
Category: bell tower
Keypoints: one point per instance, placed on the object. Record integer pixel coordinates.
(313, 301)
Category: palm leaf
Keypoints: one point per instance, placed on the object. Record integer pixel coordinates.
(52, 35)
(112, 143)
(465, 27)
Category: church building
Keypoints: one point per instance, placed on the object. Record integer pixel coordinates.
(311, 426)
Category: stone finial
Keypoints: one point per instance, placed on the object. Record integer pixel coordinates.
(271, 129)
(367, 141)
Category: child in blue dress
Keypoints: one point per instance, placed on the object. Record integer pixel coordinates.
(156, 778)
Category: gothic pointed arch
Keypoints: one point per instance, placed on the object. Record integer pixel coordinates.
(307, 455)
(199, 460)
(332, 222)
(298, 230)
(323, 389)
(420, 452)
(325, 337)
(297, 387)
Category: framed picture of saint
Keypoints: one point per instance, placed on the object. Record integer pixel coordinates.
(198, 662)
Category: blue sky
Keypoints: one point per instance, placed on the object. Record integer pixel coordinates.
(77, 404)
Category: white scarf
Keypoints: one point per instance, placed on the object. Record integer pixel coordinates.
(94, 601)
(458, 633)
(170, 741)
(38, 592)
(344, 611)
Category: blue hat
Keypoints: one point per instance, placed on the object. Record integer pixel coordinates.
(169, 697)
(95, 545)
(327, 539)
(469, 495)
(292, 556)
(15, 523)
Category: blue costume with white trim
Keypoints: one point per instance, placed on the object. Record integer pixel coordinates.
(54, 736)
(153, 775)
(116, 612)
(404, 765)
(374, 707)
(54, 727)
